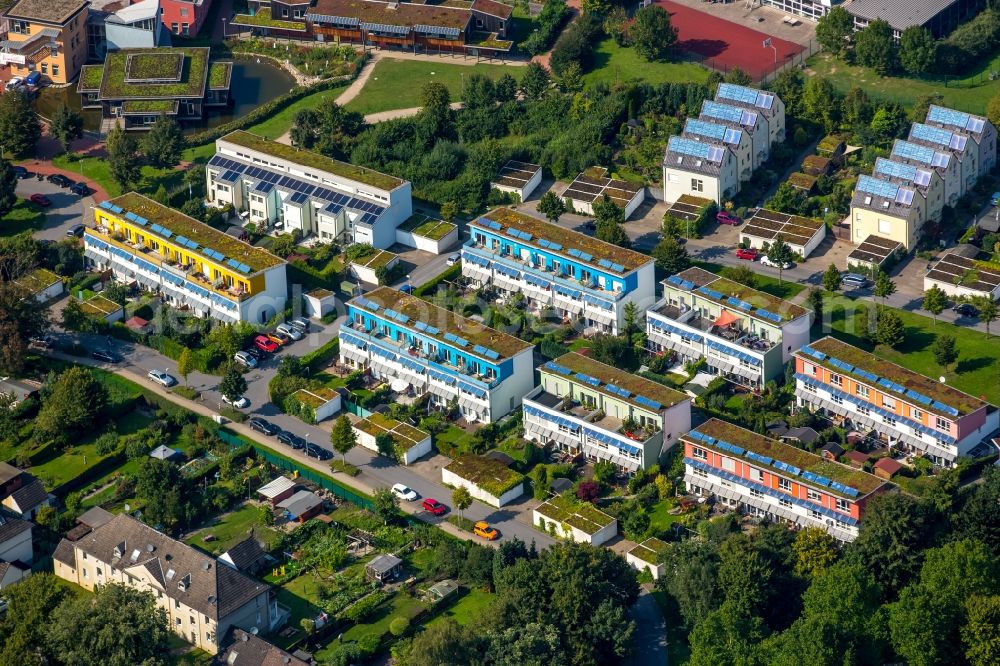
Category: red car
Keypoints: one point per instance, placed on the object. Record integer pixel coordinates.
(725, 217)
(434, 506)
(749, 254)
(265, 344)
(40, 199)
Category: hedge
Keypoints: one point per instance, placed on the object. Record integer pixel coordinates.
(430, 287)
(317, 358)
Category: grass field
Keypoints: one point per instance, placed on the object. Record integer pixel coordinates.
(907, 90)
(401, 605)
(281, 122)
(300, 595)
(613, 63)
(978, 363)
(232, 528)
(467, 609)
(770, 285)
(397, 84)
(24, 216)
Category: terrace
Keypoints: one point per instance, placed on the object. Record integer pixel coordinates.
(636, 386)
(427, 227)
(875, 250)
(592, 415)
(516, 174)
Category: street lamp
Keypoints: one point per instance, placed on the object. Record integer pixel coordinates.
(224, 28)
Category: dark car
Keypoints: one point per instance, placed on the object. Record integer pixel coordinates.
(589, 226)
(256, 353)
(966, 310)
(287, 438)
(80, 188)
(75, 230)
(22, 172)
(266, 427)
(318, 452)
(104, 355)
(59, 179)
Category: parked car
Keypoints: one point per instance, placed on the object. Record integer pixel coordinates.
(433, 506)
(59, 179)
(317, 451)
(104, 355)
(966, 310)
(277, 338)
(265, 344)
(405, 493)
(75, 230)
(483, 529)
(407, 288)
(21, 172)
(725, 217)
(240, 402)
(287, 439)
(16, 83)
(256, 353)
(765, 261)
(161, 377)
(300, 323)
(33, 79)
(453, 259)
(80, 188)
(749, 254)
(40, 200)
(589, 226)
(854, 281)
(260, 425)
(245, 359)
(43, 342)
(290, 331)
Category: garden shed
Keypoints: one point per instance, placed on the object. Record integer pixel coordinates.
(874, 254)
(428, 234)
(383, 567)
(959, 274)
(277, 490)
(319, 303)
(646, 555)
(301, 506)
(801, 234)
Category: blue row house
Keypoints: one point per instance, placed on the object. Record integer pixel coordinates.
(398, 337)
(576, 275)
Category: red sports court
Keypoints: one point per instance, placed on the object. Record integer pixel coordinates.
(724, 44)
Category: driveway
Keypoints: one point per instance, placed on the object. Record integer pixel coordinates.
(66, 210)
(650, 639)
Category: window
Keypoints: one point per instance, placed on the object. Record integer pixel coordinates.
(45, 68)
(812, 495)
(837, 399)
(756, 474)
(785, 485)
(55, 69)
(809, 386)
(284, 12)
(890, 421)
(784, 502)
(756, 493)
(184, 29)
(729, 464)
(173, 28)
(861, 390)
(916, 414)
(697, 185)
(699, 453)
(843, 505)
(184, 13)
(836, 380)
(20, 27)
(813, 513)
(177, 606)
(888, 402)
(700, 472)
(884, 226)
(809, 369)
(864, 410)
(942, 424)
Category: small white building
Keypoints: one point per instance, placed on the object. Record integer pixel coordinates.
(103, 308)
(699, 168)
(427, 234)
(43, 284)
(520, 178)
(594, 183)
(873, 254)
(319, 303)
(580, 521)
(367, 268)
(801, 234)
(959, 274)
(323, 402)
(646, 555)
(410, 443)
(487, 480)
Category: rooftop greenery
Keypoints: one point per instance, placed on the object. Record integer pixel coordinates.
(316, 397)
(263, 19)
(637, 386)
(191, 84)
(99, 306)
(90, 77)
(404, 436)
(427, 227)
(581, 515)
(488, 40)
(376, 259)
(649, 551)
(165, 106)
(145, 66)
(315, 160)
(219, 75)
(38, 280)
(489, 474)
(759, 299)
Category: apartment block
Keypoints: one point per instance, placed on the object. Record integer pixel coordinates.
(964, 152)
(768, 105)
(398, 336)
(888, 210)
(202, 599)
(46, 36)
(764, 477)
(583, 406)
(185, 17)
(745, 335)
(979, 129)
(190, 264)
(134, 26)
(739, 118)
(576, 275)
(705, 169)
(905, 410)
(738, 140)
(287, 188)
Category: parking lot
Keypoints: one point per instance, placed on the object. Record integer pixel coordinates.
(67, 208)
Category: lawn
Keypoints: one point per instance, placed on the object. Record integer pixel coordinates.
(467, 609)
(300, 595)
(613, 63)
(397, 84)
(281, 122)
(232, 528)
(25, 216)
(978, 362)
(769, 285)
(907, 90)
(401, 605)
(70, 464)
(660, 519)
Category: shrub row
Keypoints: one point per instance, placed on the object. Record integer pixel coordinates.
(316, 359)
(550, 21)
(429, 288)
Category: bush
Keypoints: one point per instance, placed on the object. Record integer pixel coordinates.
(344, 467)
(365, 607)
(576, 44)
(550, 20)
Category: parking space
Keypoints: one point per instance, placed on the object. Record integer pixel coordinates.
(66, 209)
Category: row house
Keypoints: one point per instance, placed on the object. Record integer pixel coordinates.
(888, 210)
(190, 264)
(743, 334)
(583, 406)
(977, 128)
(928, 159)
(289, 188)
(766, 104)
(903, 409)
(740, 119)
(575, 274)
(397, 336)
(738, 140)
(767, 478)
(202, 599)
(185, 18)
(45, 36)
(963, 152)
(704, 169)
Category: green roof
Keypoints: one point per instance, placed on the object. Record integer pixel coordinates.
(404, 436)
(634, 384)
(263, 19)
(649, 551)
(727, 288)
(38, 280)
(307, 158)
(427, 227)
(219, 75)
(861, 481)
(376, 259)
(316, 397)
(165, 106)
(90, 78)
(99, 306)
(158, 66)
(205, 236)
(581, 515)
(491, 475)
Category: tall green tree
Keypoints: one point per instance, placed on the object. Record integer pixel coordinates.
(385, 505)
(884, 286)
(534, 81)
(816, 303)
(896, 530)
(185, 364)
(917, 50)
(551, 206)
(935, 301)
(815, 550)
(945, 350)
(233, 384)
(19, 126)
(779, 254)
(306, 126)
(889, 328)
(834, 31)
(857, 111)
(652, 34)
(821, 102)
(65, 126)
(123, 158)
(8, 188)
(164, 143)
(691, 580)
(342, 437)
(609, 217)
(988, 311)
(31, 603)
(738, 77)
(980, 636)
(831, 278)
(73, 405)
(874, 47)
(462, 499)
(671, 257)
(166, 493)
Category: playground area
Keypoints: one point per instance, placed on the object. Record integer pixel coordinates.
(720, 36)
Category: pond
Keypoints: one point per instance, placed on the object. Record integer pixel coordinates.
(254, 83)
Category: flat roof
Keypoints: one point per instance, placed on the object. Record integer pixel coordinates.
(875, 250)
(445, 321)
(900, 14)
(427, 227)
(47, 11)
(491, 475)
(156, 67)
(90, 78)
(375, 259)
(385, 13)
(567, 239)
(593, 183)
(307, 158)
(38, 280)
(638, 387)
(720, 290)
(180, 224)
(688, 207)
(403, 434)
(904, 378)
(516, 174)
(581, 515)
(649, 550)
(769, 224)
(99, 306)
(760, 445)
(956, 269)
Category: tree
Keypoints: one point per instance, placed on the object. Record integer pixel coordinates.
(19, 126)
(988, 311)
(233, 384)
(888, 122)
(385, 505)
(165, 491)
(779, 254)
(73, 406)
(935, 301)
(8, 188)
(980, 515)
(616, 25)
(588, 490)
(816, 303)
(896, 530)
(164, 143)
(671, 257)
(630, 319)
(874, 47)
(787, 199)
(820, 101)
(652, 34)
(386, 446)
(442, 643)
(535, 81)
(979, 635)
(449, 211)
(993, 109)
(123, 157)
(185, 364)
(462, 499)
(884, 286)
(611, 232)
(945, 350)
(917, 50)
(505, 88)
(30, 604)
(815, 550)
(342, 436)
(889, 329)
(835, 30)
(551, 206)
(691, 580)
(478, 92)
(66, 125)
(738, 77)
(117, 626)
(305, 127)
(857, 109)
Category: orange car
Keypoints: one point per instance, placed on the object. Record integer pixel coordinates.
(278, 339)
(483, 529)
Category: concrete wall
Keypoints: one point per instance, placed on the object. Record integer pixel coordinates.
(366, 274)
(565, 531)
(655, 570)
(955, 290)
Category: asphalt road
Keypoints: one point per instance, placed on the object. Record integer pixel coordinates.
(511, 521)
(650, 638)
(66, 210)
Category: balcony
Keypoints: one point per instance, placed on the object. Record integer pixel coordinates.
(594, 416)
(733, 333)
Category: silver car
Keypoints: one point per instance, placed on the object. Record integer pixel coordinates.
(161, 377)
(248, 360)
(289, 330)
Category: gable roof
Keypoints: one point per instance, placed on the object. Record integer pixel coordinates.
(276, 487)
(244, 555)
(8, 472)
(95, 517)
(12, 527)
(246, 649)
(28, 496)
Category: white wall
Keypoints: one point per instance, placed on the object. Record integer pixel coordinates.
(955, 290)
(328, 409)
(366, 274)
(411, 455)
(410, 239)
(602, 535)
(639, 564)
(506, 397)
(478, 493)
(265, 304)
(17, 549)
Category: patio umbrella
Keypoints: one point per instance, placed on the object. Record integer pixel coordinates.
(726, 318)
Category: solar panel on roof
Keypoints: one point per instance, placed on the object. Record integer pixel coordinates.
(433, 330)
(879, 188)
(931, 134)
(922, 178)
(492, 355)
(130, 216)
(652, 404)
(946, 116)
(573, 252)
(912, 151)
(731, 136)
(940, 160)
(618, 268)
(604, 263)
(975, 125)
(895, 169)
(721, 111)
(904, 196)
(586, 256)
(737, 93)
(702, 128)
(684, 146)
